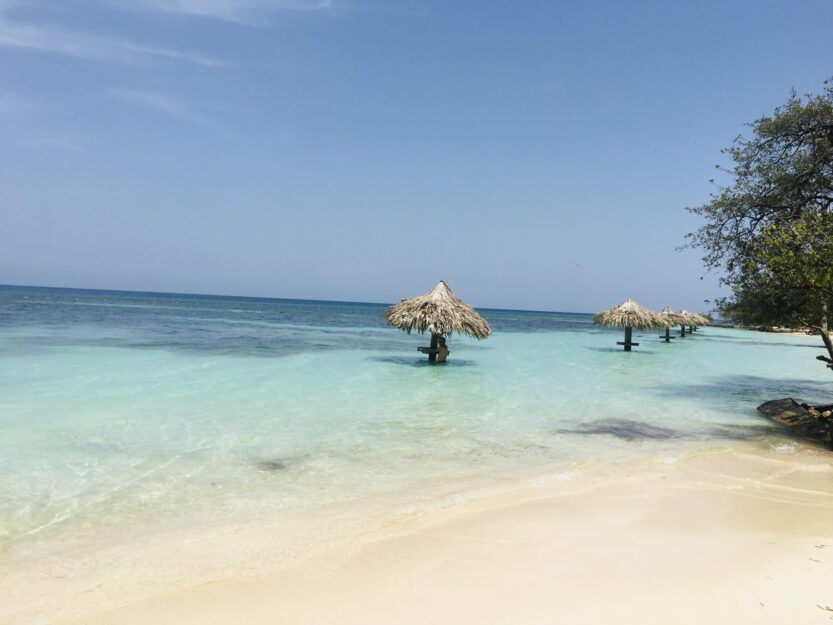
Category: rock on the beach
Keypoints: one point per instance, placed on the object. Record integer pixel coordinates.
(802, 421)
(786, 411)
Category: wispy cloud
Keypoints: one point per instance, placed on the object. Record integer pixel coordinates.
(85, 45)
(12, 105)
(61, 142)
(160, 103)
(240, 11)
(16, 115)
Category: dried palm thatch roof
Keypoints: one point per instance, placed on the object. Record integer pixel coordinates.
(702, 320)
(629, 314)
(672, 318)
(689, 319)
(438, 311)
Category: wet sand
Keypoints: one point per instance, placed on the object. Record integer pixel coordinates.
(740, 536)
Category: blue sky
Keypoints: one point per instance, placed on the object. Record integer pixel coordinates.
(533, 154)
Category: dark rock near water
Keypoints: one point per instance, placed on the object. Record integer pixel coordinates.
(810, 422)
(626, 429)
(786, 411)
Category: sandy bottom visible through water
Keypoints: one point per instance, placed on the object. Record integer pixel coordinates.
(721, 536)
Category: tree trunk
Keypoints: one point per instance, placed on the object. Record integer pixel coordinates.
(825, 337)
(824, 317)
(435, 341)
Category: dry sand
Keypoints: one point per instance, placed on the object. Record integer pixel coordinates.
(718, 537)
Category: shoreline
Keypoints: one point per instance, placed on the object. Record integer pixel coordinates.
(556, 547)
(805, 332)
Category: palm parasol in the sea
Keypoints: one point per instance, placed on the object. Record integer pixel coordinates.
(440, 313)
(701, 320)
(687, 319)
(671, 319)
(629, 315)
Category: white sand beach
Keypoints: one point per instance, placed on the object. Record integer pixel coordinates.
(738, 536)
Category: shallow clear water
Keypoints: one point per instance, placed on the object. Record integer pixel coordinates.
(124, 410)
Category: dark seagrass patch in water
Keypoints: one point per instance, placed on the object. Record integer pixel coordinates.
(625, 429)
(273, 465)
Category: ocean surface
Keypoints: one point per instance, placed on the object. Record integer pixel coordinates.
(125, 415)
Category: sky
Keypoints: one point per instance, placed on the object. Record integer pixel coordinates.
(533, 154)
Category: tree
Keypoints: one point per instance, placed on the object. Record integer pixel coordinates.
(771, 229)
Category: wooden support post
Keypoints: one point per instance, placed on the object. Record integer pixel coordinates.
(667, 336)
(682, 330)
(435, 342)
(628, 338)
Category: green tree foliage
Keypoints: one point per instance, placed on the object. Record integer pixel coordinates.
(770, 230)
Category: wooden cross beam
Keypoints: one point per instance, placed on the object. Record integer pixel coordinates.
(433, 350)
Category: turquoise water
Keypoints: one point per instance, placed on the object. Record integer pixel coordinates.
(122, 412)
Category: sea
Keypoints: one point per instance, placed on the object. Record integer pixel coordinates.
(141, 423)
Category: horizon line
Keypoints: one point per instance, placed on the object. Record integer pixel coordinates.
(290, 299)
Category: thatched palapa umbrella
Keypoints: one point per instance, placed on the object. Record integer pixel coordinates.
(629, 315)
(439, 312)
(671, 319)
(700, 320)
(686, 319)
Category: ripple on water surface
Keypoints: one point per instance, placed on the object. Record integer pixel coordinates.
(125, 410)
